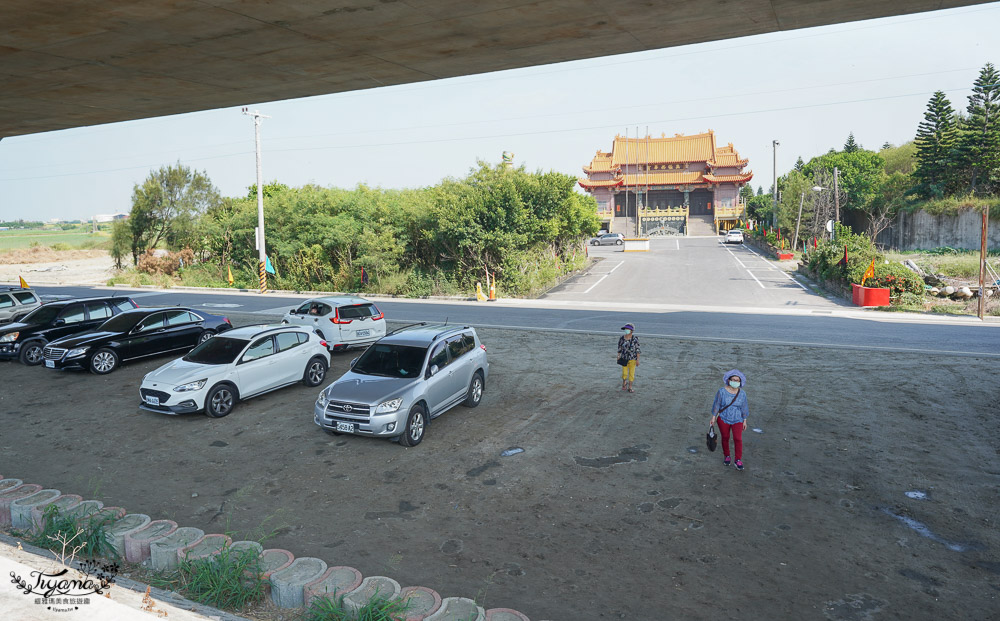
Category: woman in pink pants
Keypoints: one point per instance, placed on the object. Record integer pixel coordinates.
(731, 410)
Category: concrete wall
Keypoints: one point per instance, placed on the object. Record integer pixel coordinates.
(923, 231)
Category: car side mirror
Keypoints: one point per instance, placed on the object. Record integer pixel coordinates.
(59, 322)
(431, 372)
(353, 362)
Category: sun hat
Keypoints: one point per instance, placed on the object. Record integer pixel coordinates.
(734, 373)
(628, 326)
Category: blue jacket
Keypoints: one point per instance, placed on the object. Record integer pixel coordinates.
(735, 413)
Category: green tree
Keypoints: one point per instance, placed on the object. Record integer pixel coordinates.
(935, 143)
(860, 175)
(979, 138)
(121, 241)
(851, 146)
(799, 164)
(901, 159)
(746, 193)
(166, 205)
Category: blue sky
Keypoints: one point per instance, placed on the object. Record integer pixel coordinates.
(807, 89)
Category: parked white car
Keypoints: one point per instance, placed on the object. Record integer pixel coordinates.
(235, 366)
(734, 236)
(343, 321)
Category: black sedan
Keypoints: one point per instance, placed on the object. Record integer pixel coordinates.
(134, 334)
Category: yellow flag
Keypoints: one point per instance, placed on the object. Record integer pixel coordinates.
(230, 275)
(23, 284)
(869, 273)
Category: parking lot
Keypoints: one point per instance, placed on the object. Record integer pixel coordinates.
(615, 509)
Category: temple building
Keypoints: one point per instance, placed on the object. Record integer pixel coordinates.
(659, 186)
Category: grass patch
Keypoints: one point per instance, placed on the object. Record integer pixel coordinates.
(74, 537)
(65, 240)
(377, 609)
(954, 204)
(232, 579)
(948, 262)
(134, 278)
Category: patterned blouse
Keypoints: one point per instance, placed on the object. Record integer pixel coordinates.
(628, 348)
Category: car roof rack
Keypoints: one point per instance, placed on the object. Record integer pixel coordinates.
(412, 325)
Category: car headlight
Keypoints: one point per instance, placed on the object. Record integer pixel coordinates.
(190, 386)
(321, 400)
(10, 337)
(388, 407)
(79, 351)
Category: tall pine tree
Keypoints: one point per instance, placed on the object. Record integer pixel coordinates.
(979, 138)
(851, 145)
(935, 141)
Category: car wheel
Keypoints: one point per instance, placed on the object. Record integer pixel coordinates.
(31, 353)
(619, 242)
(103, 361)
(220, 401)
(475, 394)
(416, 423)
(315, 372)
(207, 334)
(595, 243)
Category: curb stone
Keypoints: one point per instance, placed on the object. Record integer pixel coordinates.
(127, 525)
(137, 543)
(371, 587)
(20, 509)
(288, 584)
(458, 609)
(163, 552)
(62, 503)
(421, 602)
(11, 494)
(504, 614)
(335, 581)
(207, 546)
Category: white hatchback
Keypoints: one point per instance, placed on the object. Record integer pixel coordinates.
(234, 366)
(344, 321)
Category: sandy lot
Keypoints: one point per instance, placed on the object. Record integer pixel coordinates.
(64, 267)
(615, 510)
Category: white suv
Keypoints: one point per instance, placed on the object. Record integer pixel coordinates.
(344, 321)
(16, 302)
(236, 365)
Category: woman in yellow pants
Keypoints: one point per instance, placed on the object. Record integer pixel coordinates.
(628, 352)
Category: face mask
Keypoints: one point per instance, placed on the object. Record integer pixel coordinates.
(627, 332)
(734, 383)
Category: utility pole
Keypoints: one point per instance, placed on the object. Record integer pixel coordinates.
(982, 265)
(795, 240)
(774, 196)
(262, 255)
(836, 199)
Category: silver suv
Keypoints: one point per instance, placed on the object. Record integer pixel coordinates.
(16, 302)
(403, 380)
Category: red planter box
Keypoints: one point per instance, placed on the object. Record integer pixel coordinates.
(784, 256)
(870, 296)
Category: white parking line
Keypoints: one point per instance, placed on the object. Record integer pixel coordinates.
(780, 270)
(616, 267)
(678, 243)
(598, 282)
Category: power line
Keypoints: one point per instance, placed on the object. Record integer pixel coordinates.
(517, 134)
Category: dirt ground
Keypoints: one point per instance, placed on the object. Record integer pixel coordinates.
(44, 266)
(615, 509)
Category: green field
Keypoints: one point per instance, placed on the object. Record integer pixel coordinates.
(12, 240)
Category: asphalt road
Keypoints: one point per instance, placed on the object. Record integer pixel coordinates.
(835, 327)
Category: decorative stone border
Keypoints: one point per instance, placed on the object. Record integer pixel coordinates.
(62, 503)
(137, 542)
(292, 582)
(20, 509)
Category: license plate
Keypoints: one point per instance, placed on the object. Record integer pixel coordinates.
(345, 427)
(153, 400)
(50, 364)
(363, 333)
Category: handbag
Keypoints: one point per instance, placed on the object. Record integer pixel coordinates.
(710, 438)
(623, 361)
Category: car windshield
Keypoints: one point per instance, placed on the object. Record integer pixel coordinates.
(41, 315)
(120, 323)
(388, 360)
(218, 350)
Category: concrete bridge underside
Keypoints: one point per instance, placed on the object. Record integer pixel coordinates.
(69, 64)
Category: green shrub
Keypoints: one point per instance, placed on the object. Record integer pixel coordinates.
(230, 579)
(60, 246)
(377, 609)
(62, 533)
(897, 278)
